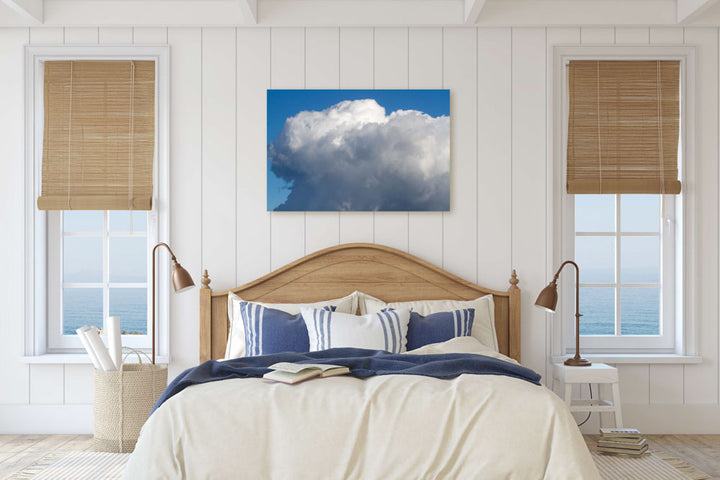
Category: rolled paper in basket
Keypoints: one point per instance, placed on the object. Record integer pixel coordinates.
(113, 329)
(88, 348)
(91, 334)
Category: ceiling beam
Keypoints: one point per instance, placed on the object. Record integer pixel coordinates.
(689, 10)
(31, 10)
(472, 10)
(309, 13)
(249, 10)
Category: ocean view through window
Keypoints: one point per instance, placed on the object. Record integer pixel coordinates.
(618, 246)
(104, 269)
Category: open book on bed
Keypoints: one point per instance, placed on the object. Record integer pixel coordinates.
(292, 373)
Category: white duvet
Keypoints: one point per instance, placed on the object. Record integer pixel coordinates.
(383, 427)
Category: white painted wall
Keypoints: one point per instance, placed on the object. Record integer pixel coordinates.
(500, 203)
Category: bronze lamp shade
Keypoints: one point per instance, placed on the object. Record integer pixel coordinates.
(181, 281)
(547, 300)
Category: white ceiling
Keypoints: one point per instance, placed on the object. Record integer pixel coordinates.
(359, 12)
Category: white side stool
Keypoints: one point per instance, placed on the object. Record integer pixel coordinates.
(597, 373)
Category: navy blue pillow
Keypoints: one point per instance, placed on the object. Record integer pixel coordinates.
(273, 331)
(438, 327)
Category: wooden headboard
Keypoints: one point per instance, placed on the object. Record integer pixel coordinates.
(383, 272)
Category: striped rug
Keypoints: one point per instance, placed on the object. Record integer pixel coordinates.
(110, 466)
(75, 466)
(651, 466)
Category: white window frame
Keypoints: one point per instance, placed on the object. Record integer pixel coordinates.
(38, 281)
(679, 327)
(663, 343)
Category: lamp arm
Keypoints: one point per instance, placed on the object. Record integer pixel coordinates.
(172, 255)
(577, 283)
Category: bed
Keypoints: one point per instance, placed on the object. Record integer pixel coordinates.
(384, 426)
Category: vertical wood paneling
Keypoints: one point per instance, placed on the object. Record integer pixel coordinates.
(287, 71)
(185, 187)
(13, 375)
(528, 185)
(460, 224)
(425, 70)
(701, 381)
(46, 384)
(218, 155)
(494, 144)
(322, 70)
(555, 36)
(497, 78)
(253, 219)
(665, 381)
(79, 384)
(82, 35)
(149, 35)
(116, 35)
(391, 71)
(356, 71)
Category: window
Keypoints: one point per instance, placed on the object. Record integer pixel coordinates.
(629, 244)
(85, 265)
(98, 268)
(625, 245)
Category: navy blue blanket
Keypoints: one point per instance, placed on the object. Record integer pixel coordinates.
(362, 363)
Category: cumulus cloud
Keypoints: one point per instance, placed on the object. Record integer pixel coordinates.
(354, 156)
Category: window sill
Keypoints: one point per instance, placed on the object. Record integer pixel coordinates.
(643, 358)
(78, 359)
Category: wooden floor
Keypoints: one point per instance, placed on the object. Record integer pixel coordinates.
(700, 451)
(19, 451)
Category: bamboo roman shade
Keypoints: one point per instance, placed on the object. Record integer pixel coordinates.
(99, 135)
(624, 126)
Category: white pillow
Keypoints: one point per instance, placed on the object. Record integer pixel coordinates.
(460, 345)
(483, 326)
(377, 331)
(236, 337)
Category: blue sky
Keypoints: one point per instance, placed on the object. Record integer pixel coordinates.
(285, 104)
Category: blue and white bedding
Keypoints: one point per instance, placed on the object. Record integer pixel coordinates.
(362, 363)
(380, 427)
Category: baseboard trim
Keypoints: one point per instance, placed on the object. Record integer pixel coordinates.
(46, 419)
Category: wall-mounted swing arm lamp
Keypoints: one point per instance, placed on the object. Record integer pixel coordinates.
(547, 300)
(181, 281)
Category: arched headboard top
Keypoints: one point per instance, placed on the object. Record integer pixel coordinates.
(380, 271)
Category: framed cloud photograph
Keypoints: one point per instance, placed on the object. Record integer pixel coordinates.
(358, 150)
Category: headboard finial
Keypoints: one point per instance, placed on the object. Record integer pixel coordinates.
(205, 280)
(514, 279)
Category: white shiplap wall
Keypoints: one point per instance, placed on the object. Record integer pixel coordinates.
(501, 206)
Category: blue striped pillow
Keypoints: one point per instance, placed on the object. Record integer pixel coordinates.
(377, 331)
(273, 331)
(439, 327)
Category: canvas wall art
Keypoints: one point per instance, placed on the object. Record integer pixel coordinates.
(358, 150)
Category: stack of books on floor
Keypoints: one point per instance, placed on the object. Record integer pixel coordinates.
(625, 441)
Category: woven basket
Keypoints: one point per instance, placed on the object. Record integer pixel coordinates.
(123, 402)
